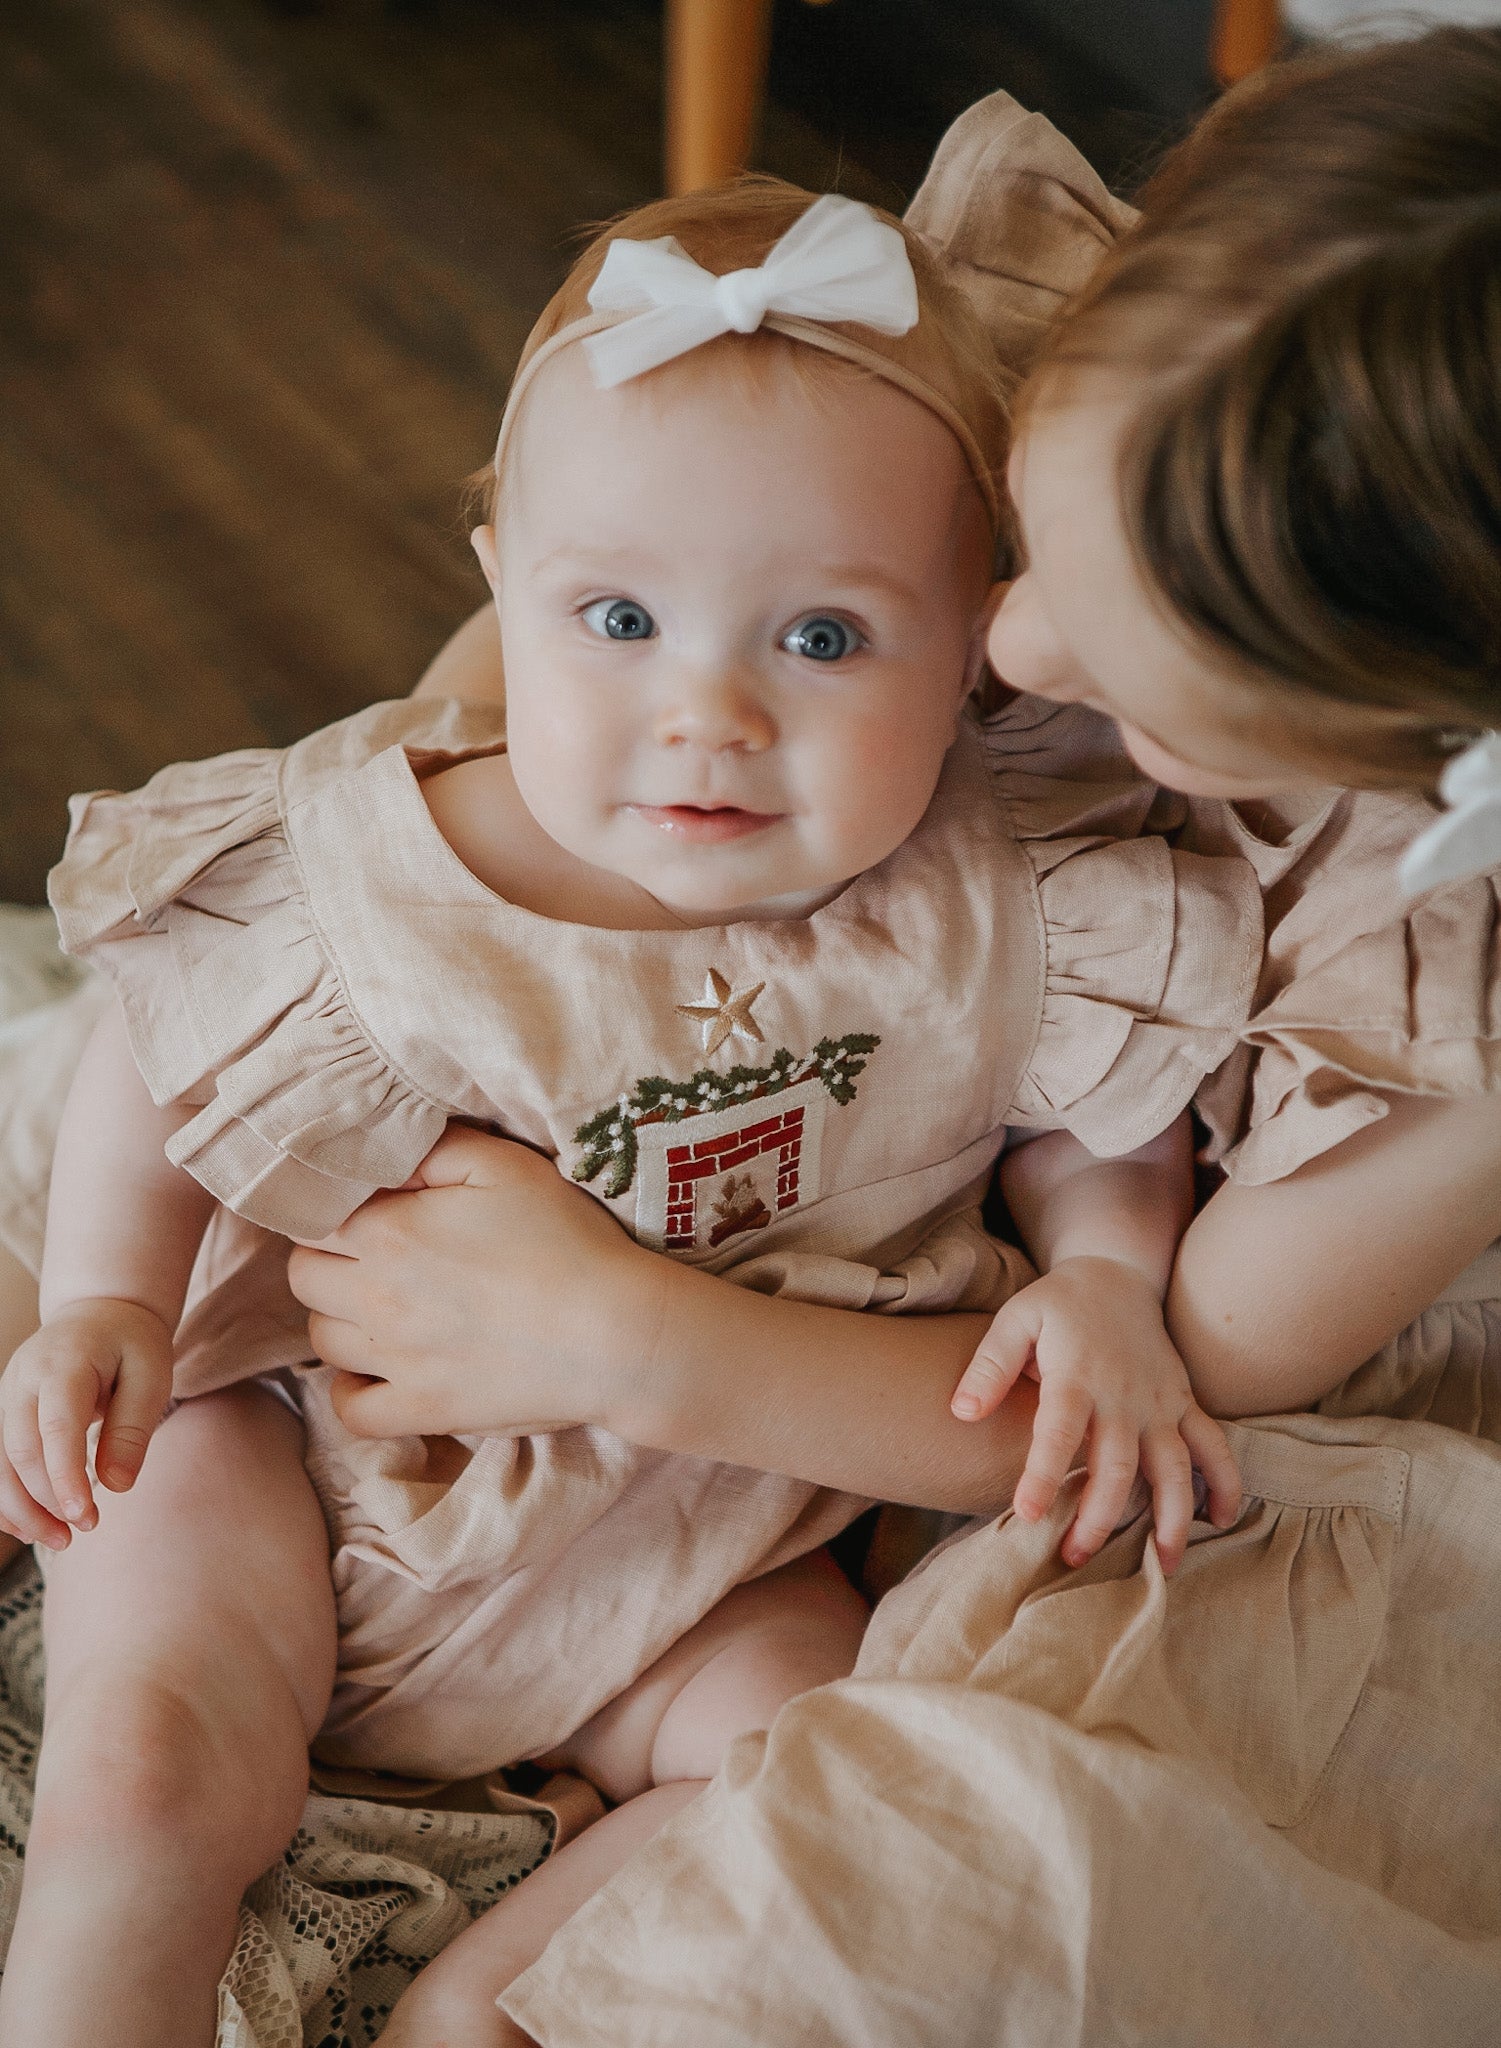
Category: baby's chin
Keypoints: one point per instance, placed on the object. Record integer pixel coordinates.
(708, 905)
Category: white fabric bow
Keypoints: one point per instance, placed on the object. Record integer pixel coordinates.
(837, 262)
(1467, 839)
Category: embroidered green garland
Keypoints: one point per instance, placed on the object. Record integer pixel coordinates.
(609, 1139)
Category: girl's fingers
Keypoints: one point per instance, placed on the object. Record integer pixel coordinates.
(1212, 1454)
(339, 1343)
(363, 1404)
(1169, 1471)
(1114, 1457)
(142, 1390)
(994, 1370)
(65, 1411)
(322, 1281)
(1063, 1414)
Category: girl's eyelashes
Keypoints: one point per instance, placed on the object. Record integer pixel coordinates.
(619, 618)
(823, 637)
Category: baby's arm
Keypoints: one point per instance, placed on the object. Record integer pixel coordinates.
(123, 1228)
(1091, 1331)
(468, 664)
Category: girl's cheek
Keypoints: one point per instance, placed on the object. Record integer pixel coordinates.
(1158, 765)
(1023, 649)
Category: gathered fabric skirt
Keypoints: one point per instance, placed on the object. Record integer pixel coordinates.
(1257, 1803)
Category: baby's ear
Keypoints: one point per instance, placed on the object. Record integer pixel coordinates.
(482, 540)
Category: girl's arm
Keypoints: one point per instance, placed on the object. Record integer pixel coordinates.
(468, 664)
(1103, 1232)
(1279, 1292)
(499, 1299)
(123, 1228)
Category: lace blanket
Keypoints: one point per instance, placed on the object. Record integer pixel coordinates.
(332, 1935)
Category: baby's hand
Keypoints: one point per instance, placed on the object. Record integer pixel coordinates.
(1091, 1332)
(93, 1359)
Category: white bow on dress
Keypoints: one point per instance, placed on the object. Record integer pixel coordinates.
(1466, 840)
(836, 262)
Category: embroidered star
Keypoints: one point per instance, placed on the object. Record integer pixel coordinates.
(724, 1014)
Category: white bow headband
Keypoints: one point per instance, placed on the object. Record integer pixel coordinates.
(836, 263)
(1466, 840)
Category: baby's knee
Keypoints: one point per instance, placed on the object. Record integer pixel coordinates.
(806, 1634)
(141, 1760)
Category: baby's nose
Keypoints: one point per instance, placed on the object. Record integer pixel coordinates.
(719, 710)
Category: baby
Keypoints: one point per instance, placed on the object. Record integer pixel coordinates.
(739, 919)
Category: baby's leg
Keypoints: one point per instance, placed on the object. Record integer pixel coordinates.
(190, 1651)
(652, 1749)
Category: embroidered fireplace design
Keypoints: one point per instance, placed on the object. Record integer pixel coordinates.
(750, 1151)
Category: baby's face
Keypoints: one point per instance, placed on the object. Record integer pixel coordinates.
(739, 612)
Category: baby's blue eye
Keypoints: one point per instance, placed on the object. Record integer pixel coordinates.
(620, 618)
(822, 638)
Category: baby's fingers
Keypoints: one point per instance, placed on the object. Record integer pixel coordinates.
(1212, 1454)
(1063, 1413)
(21, 1516)
(1114, 1457)
(136, 1407)
(23, 1446)
(995, 1368)
(65, 1408)
(1169, 1471)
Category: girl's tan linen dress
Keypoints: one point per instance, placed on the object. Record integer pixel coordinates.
(812, 1107)
(1258, 1804)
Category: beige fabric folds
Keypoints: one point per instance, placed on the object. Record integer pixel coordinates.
(1258, 1803)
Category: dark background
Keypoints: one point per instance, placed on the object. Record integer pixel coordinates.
(265, 266)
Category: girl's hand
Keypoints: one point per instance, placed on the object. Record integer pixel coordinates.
(92, 1359)
(488, 1299)
(1091, 1332)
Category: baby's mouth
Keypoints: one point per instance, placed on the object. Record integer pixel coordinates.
(704, 824)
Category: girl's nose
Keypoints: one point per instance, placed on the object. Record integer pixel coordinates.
(718, 711)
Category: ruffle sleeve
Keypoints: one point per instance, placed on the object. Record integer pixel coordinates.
(1017, 218)
(1151, 954)
(189, 897)
(1411, 1008)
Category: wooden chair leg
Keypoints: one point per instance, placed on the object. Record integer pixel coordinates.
(716, 68)
(1247, 34)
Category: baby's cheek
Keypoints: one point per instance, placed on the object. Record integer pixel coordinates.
(888, 772)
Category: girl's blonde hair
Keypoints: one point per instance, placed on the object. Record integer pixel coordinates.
(734, 227)
(1312, 301)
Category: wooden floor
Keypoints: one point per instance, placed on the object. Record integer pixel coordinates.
(264, 270)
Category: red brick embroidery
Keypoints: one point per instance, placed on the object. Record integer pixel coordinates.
(754, 1158)
(739, 1206)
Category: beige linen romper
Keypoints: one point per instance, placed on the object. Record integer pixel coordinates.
(1254, 1805)
(810, 1107)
